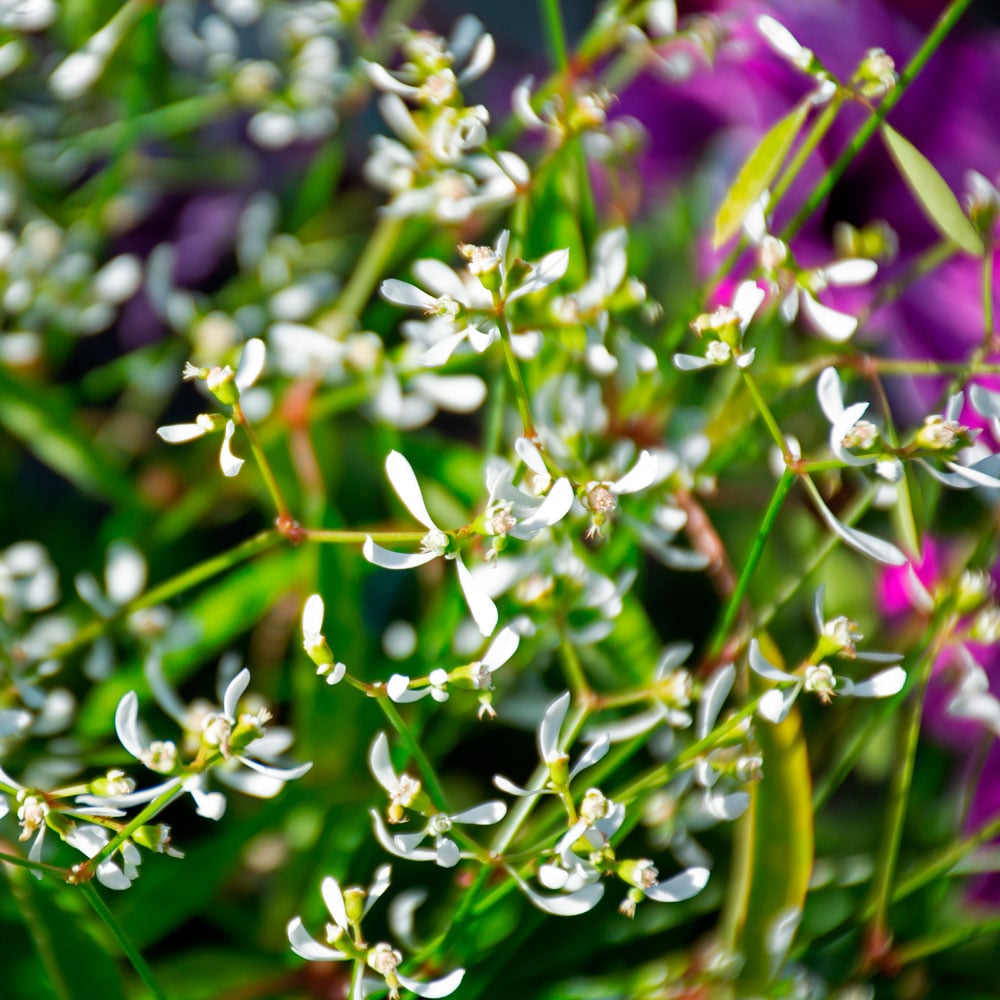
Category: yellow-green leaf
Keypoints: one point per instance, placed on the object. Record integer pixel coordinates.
(757, 173)
(929, 188)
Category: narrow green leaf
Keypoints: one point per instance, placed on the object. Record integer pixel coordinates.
(929, 188)
(906, 515)
(757, 173)
(774, 844)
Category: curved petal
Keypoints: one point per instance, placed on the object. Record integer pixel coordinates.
(830, 393)
(484, 611)
(305, 946)
(569, 905)
(402, 293)
(595, 752)
(713, 695)
(404, 482)
(333, 897)
(388, 559)
(312, 619)
(228, 462)
(639, 477)
(383, 876)
(127, 724)
(380, 763)
(775, 705)
(434, 988)
(759, 664)
(881, 685)
(548, 730)
(440, 352)
(485, 814)
(251, 364)
(675, 890)
(691, 362)
(508, 786)
(830, 324)
(180, 433)
(448, 854)
(501, 649)
(278, 773)
(869, 545)
(234, 691)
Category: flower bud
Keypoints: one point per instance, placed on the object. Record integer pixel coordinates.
(973, 589)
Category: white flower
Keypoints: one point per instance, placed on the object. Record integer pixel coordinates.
(445, 851)
(219, 734)
(315, 644)
(728, 323)
(945, 433)
(436, 543)
(775, 705)
(553, 757)
(601, 496)
(847, 429)
(382, 958)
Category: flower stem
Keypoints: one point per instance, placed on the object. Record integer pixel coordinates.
(131, 952)
(765, 411)
(84, 872)
(766, 526)
(860, 139)
(514, 371)
(395, 720)
(270, 480)
(334, 536)
(36, 866)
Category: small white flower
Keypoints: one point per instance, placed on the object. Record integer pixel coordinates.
(436, 543)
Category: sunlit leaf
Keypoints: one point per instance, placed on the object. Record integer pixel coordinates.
(929, 188)
(757, 173)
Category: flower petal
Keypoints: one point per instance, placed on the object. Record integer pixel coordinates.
(127, 724)
(830, 324)
(675, 890)
(380, 763)
(304, 945)
(571, 905)
(759, 664)
(404, 482)
(548, 730)
(234, 691)
(501, 649)
(334, 899)
(714, 693)
(388, 559)
(251, 364)
(485, 814)
(228, 462)
(595, 752)
(434, 988)
(484, 611)
(639, 477)
(881, 685)
(180, 433)
(278, 773)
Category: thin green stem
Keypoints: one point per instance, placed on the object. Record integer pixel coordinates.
(514, 372)
(860, 139)
(759, 543)
(555, 34)
(765, 411)
(270, 480)
(813, 138)
(334, 536)
(365, 276)
(395, 720)
(934, 944)
(91, 895)
(35, 866)
(183, 581)
(572, 667)
(84, 872)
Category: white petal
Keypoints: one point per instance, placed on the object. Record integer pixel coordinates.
(855, 271)
(455, 393)
(781, 39)
(125, 575)
(480, 60)
(442, 987)
(381, 764)
(402, 293)
(985, 401)
(761, 665)
(747, 301)
(112, 877)
(388, 559)
(278, 773)
(775, 705)
(251, 364)
(334, 899)
(881, 685)
(528, 452)
(126, 724)
(234, 691)
(830, 324)
(727, 807)
(556, 505)
(745, 360)
(875, 548)
(180, 433)
(312, 617)
(520, 100)
(448, 854)
(689, 883)
(830, 393)
(548, 729)
(595, 752)
(501, 649)
(211, 805)
(571, 905)
(508, 786)
(228, 462)
(397, 687)
(442, 350)
(713, 695)
(306, 947)
(383, 875)
(484, 611)
(404, 482)
(485, 814)
(671, 658)
(392, 844)
(166, 697)
(691, 362)
(639, 477)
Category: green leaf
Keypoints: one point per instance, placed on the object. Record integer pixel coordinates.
(757, 173)
(774, 843)
(906, 516)
(929, 188)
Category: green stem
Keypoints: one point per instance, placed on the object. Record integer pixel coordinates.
(899, 791)
(334, 536)
(860, 139)
(933, 944)
(35, 866)
(742, 585)
(555, 34)
(262, 463)
(170, 588)
(765, 412)
(84, 872)
(364, 277)
(514, 372)
(395, 720)
(40, 934)
(144, 972)
(573, 668)
(814, 137)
